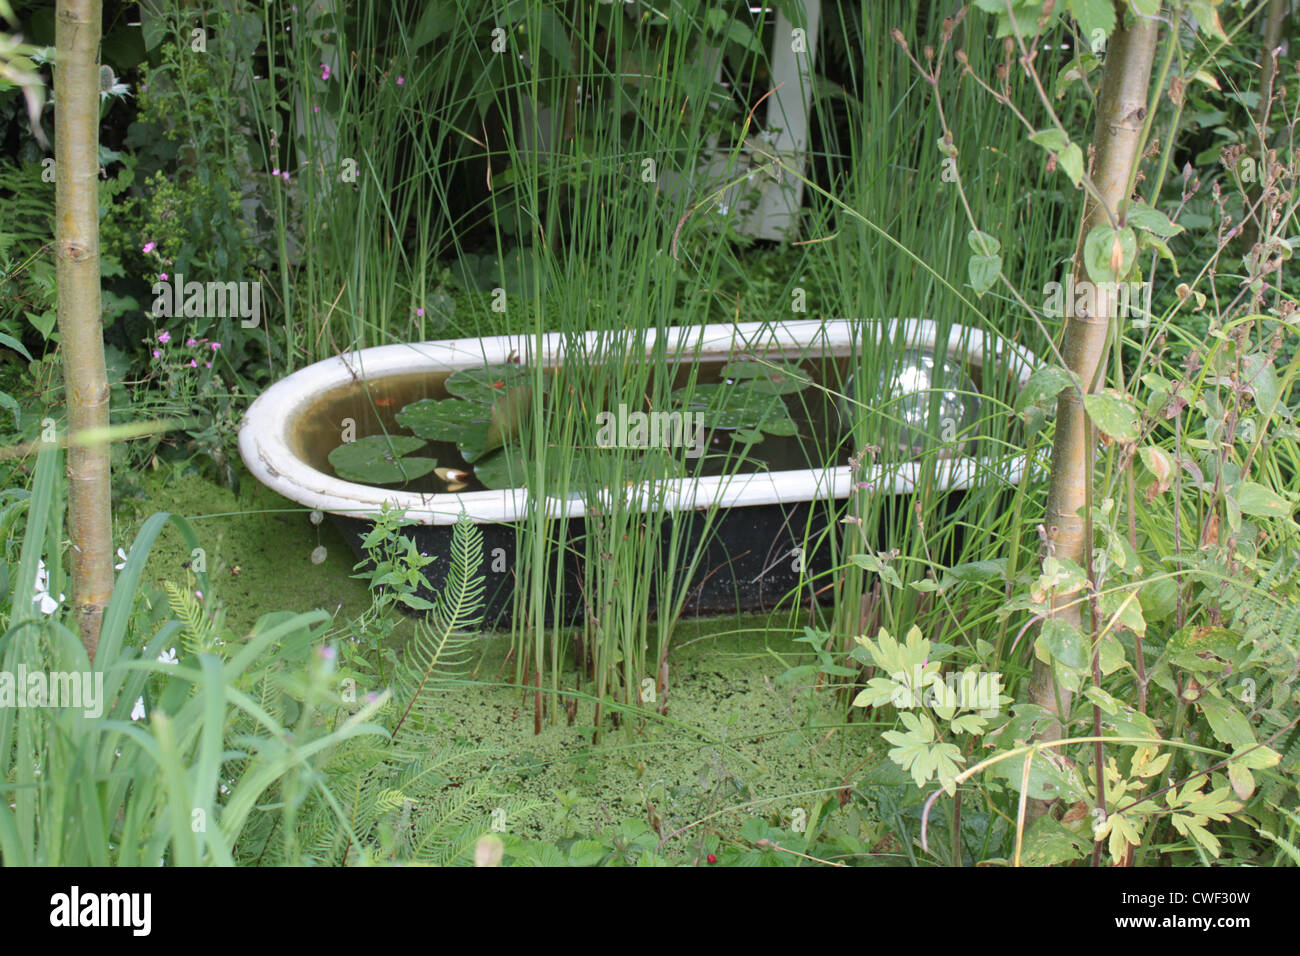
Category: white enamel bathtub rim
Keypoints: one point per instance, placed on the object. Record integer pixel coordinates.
(266, 448)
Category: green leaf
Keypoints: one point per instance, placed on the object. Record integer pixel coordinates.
(1254, 499)
(738, 407)
(9, 342)
(487, 382)
(983, 272)
(1099, 250)
(1112, 415)
(1064, 642)
(501, 469)
(1043, 387)
(447, 419)
(1070, 160)
(1141, 216)
(768, 378)
(380, 460)
(1227, 722)
(981, 243)
(1068, 155)
(1093, 17)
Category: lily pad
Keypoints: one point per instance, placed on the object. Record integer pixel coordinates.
(768, 378)
(381, 460)
(739, 408)
(487, 383)
(447, 419)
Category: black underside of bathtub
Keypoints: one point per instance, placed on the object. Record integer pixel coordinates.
(749, 560)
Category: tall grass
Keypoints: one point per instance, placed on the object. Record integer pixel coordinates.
(596, 220)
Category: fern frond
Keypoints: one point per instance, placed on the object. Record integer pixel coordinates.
(439, 647)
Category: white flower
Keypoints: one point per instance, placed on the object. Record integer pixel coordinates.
(121, 554)
(137, 712)
(167, 656)
(47, 601)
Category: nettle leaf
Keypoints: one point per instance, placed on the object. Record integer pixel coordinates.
(1113, 415)
(1044, 385)
(1108, 253)
(768, 378)
(1094, 17)
(1141, 216)
(1020, 16)
(487, 382)
(380, 460)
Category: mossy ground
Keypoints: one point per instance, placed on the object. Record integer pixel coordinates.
(734, 740)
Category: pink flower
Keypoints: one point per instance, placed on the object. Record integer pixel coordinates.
(315, 109)
(157, 353)
(164, 336)
(400, 80)
(191, 342)
(207, 365)
(162, 276)
(419, 311)
(193, 364)
(214, 346)
(276, 171)
(148, 247)
(285, 174)
(324, 71)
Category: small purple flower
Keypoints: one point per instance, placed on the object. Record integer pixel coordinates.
(324, 71)
(193, 364)
(157, 353)
(276, 171)
(419, 311)
(148, 247)
(285, 174)
(162, 276)
(214, 346)
(207, 365)
(164, 336)
(191, 342)
(315, 109)
(401, 80)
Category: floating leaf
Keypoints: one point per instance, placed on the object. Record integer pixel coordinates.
(487, 382)
(446, 419)
(380, 460)
(769, 378)
(739, 408)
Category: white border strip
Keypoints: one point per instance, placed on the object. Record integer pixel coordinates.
(264, 442)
